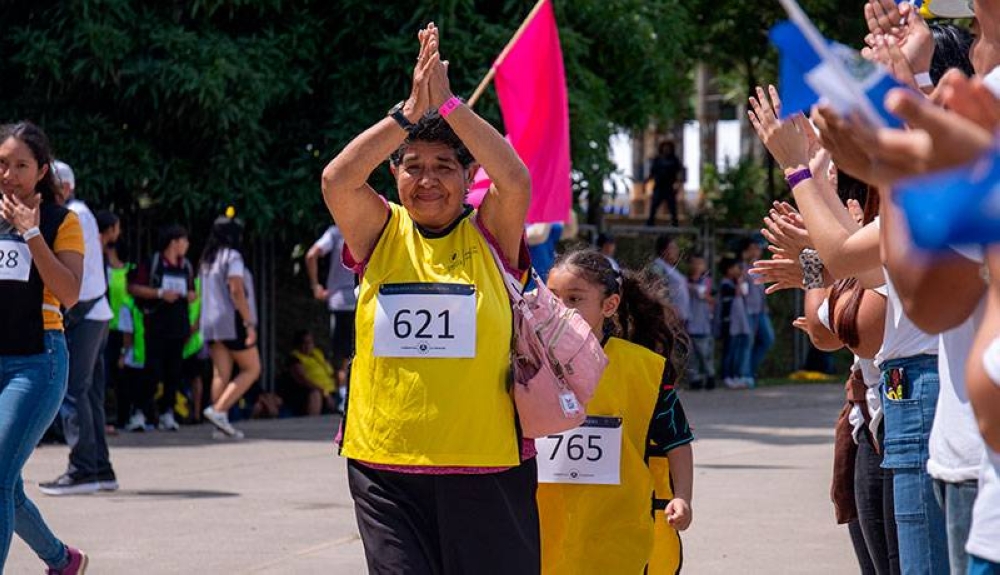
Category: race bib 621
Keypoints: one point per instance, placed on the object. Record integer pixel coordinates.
(432, 320)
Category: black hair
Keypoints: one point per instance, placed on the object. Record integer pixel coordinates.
(745, 244)
(667, 148)
(643, 317)
(106, 219)
(604, 239)
(952, 45)
(226, 233)
(171, 232)
(433, 128)
(662, 241)
(726, 264)
(36, 140)
(299, 337)
(851, 188)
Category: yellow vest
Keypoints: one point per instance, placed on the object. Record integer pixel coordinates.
(602, 529)
(453, 412)
(318, 370)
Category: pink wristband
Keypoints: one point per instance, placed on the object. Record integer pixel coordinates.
(449, 106)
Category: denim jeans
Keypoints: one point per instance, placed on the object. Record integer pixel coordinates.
(763, 340)
(701, 363)
(957, 500)
(920, 521)
(873, 497)
(31, 389)
(734, 349)
(979, 566)
(83, 417)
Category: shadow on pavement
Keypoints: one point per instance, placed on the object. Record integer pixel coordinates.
(318, 429)
(169, 494)
(780, 415)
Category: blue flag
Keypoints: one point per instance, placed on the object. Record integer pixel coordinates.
(954, 207)
(840, 77)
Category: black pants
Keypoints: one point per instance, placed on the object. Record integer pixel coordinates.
(668, 195)
(135, 393)
(448, 524)
(873, 495)
(165, 363)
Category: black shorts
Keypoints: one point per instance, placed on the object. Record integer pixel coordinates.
(422, 524)
(341, 336)
(239, 343)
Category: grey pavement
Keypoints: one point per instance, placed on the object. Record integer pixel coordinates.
(277, 503)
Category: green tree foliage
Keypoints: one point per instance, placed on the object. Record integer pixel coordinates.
(189, 105)
(731, 36)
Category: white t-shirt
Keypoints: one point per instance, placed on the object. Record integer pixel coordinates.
(984, 537)
(956, 448)
(902, 338)
(93, 284)
(339, 280)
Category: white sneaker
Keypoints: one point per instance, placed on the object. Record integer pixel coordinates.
(137, 422)
(221, 436)
(221, 421)
(734, 383)
(168, 423)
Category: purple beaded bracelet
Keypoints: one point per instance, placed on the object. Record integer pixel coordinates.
(795, 178)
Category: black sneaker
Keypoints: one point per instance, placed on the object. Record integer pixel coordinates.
(66, 484)
(106, 481)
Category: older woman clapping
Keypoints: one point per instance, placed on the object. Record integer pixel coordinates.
(441, 479)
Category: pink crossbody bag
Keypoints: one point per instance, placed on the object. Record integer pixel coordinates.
(556, 358)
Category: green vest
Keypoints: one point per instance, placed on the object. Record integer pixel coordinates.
(196, 341)
(138, 331)
(117, 292)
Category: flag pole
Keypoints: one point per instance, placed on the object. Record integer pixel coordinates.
(503, 55)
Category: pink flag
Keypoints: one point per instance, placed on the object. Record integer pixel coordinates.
(531, 85)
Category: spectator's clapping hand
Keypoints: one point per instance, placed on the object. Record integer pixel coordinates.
(856, 210)
(970, 98)
(940, 139)
(788, 141)
(847, 153)
(899, 38)
(781, 273)
(787, 234)
(801, 323)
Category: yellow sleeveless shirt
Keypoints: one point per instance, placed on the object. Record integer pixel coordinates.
(601, 529)
(432, 411)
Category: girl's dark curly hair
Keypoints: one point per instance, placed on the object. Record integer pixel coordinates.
(644, 317)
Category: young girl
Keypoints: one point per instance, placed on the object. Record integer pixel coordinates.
(623, 480)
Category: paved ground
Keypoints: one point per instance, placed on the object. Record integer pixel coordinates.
(278, 502)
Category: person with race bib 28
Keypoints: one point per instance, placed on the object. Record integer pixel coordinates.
(441, 479)
(614, 492)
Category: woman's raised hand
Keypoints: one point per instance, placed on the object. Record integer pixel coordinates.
(787, 140)
(419, 101)
(23, 215)
(439, 85)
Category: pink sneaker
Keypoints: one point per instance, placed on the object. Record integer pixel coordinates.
(77, 564)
